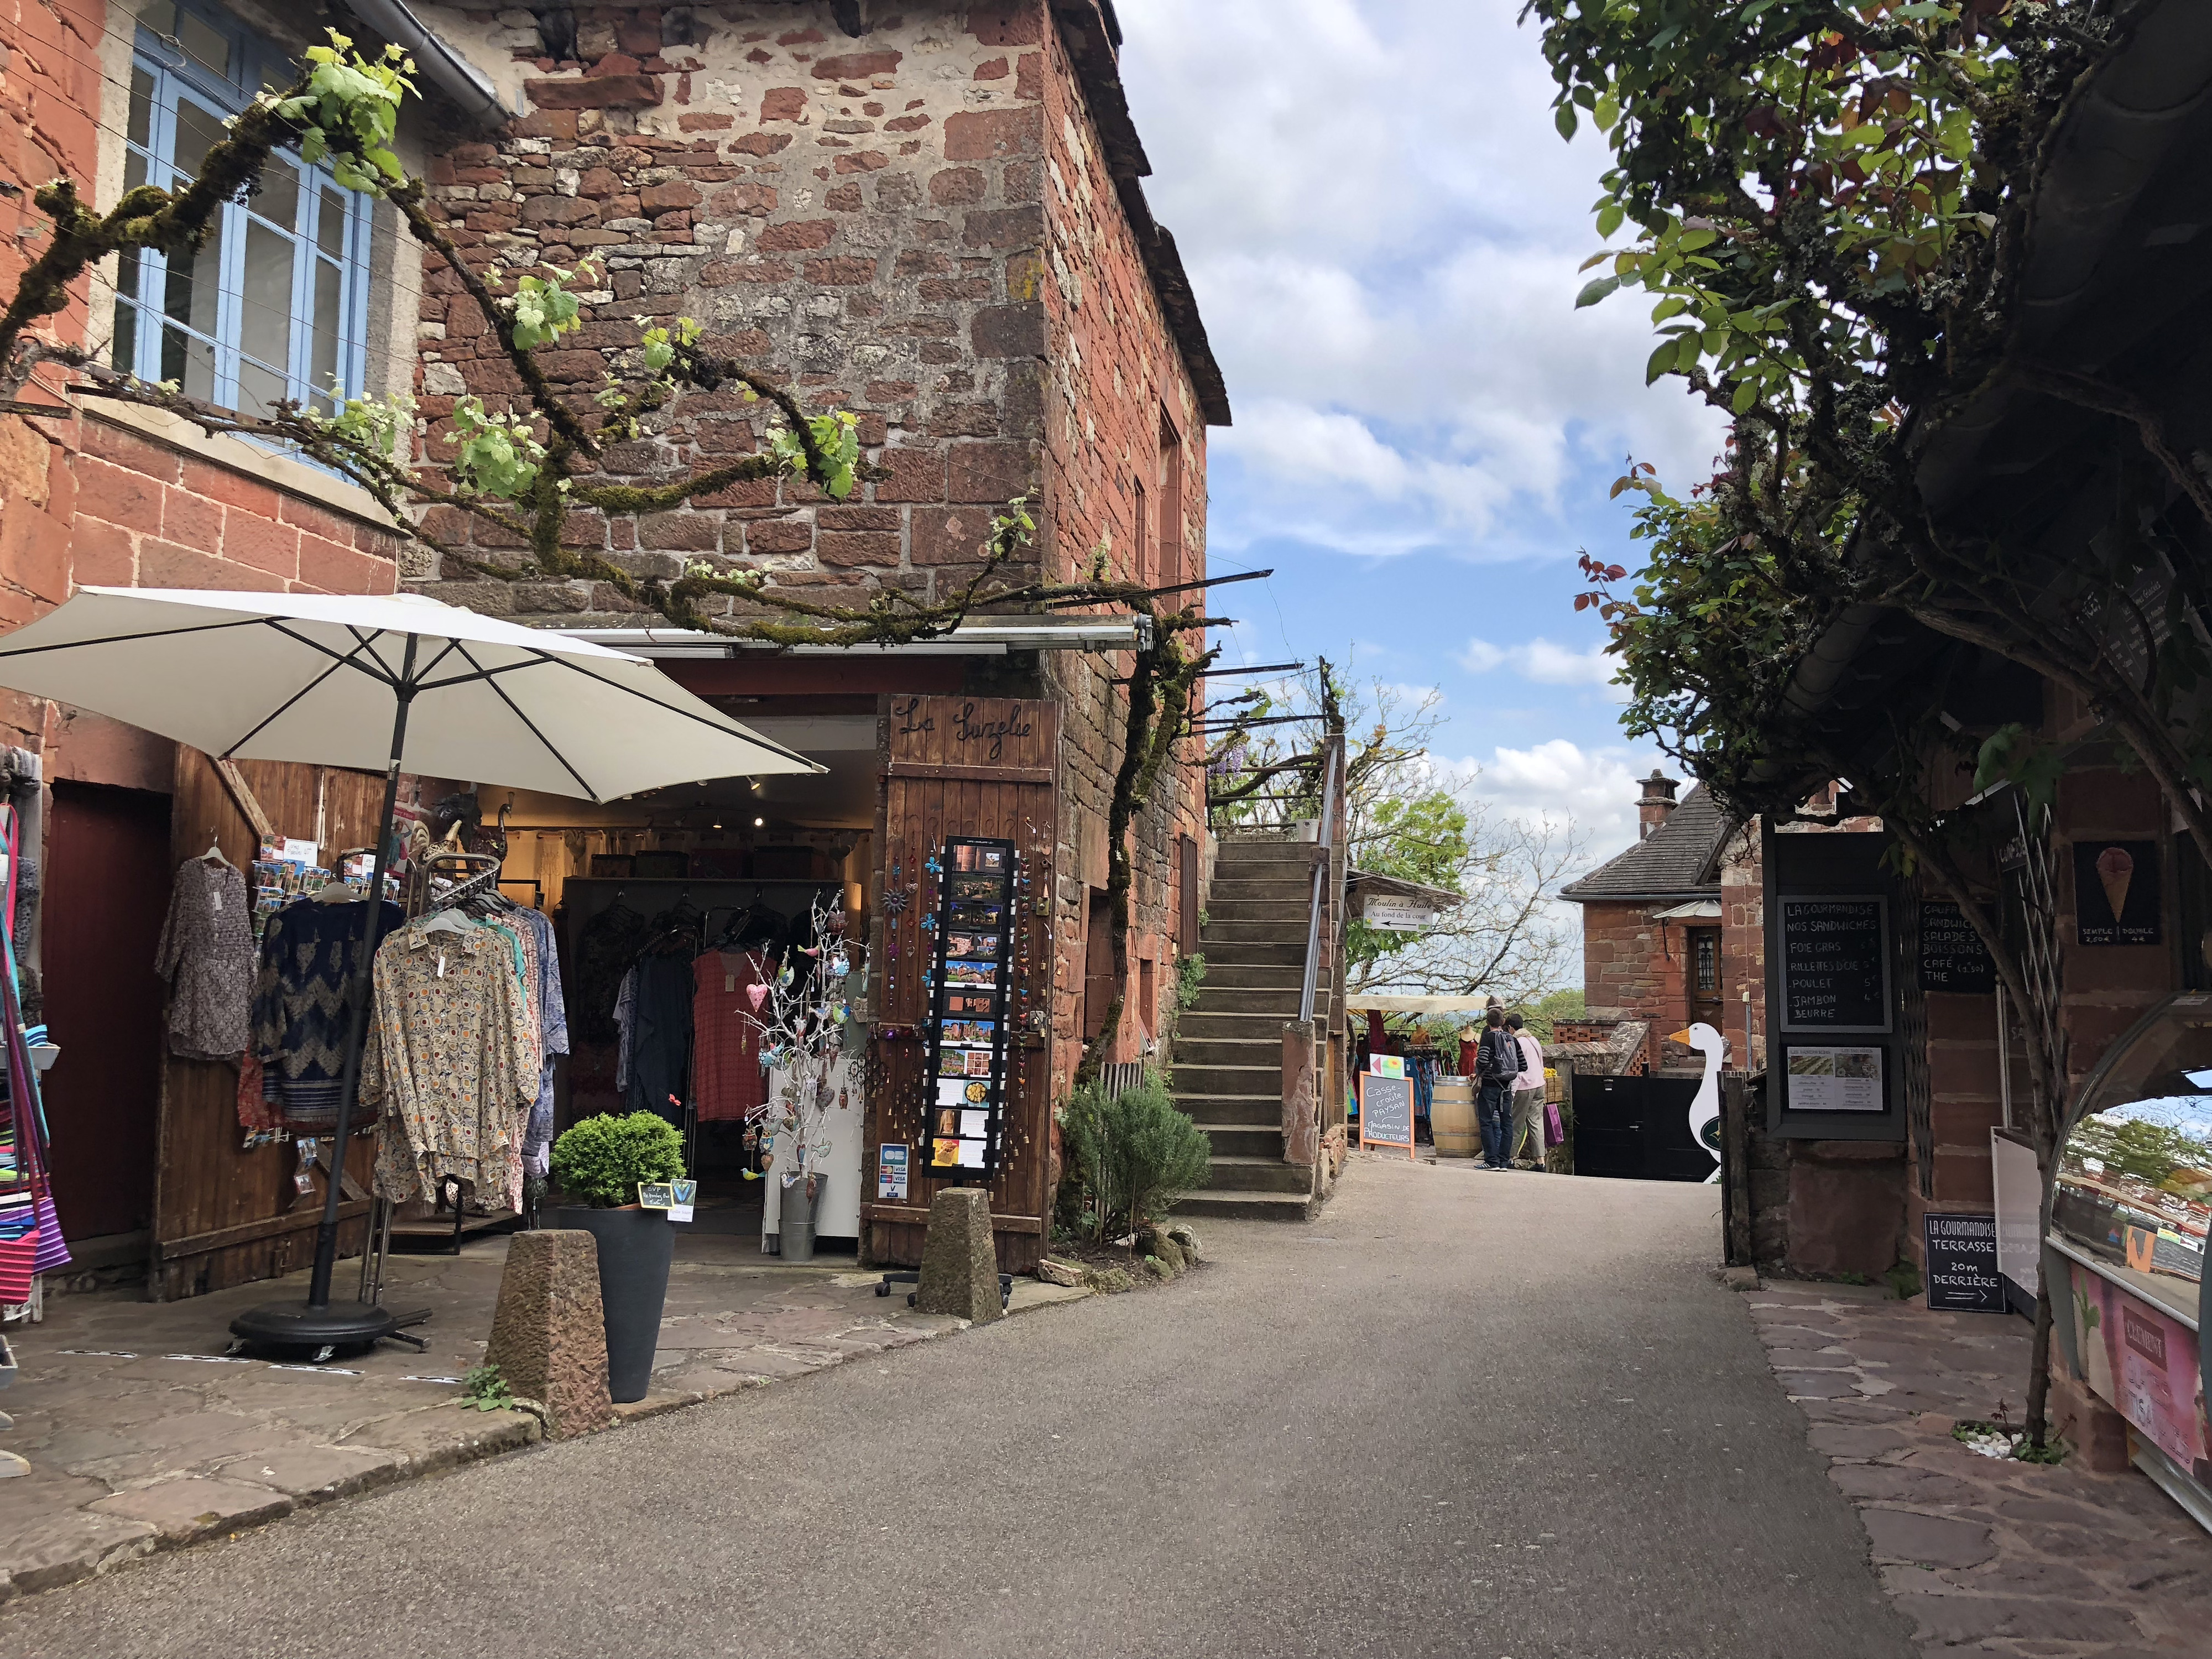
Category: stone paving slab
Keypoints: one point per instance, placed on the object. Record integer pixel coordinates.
(143, 1435)
(1986, 1556)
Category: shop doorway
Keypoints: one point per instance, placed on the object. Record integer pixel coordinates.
(1706, 1002)
(108, 888)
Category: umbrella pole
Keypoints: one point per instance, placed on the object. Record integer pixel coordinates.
(316, 1325)
(357, 997)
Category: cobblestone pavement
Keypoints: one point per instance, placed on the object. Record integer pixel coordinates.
(141, 1435)
(1984, 1556)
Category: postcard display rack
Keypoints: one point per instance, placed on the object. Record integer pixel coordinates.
(968, 992)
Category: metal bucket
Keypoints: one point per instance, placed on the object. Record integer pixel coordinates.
(795, 1222)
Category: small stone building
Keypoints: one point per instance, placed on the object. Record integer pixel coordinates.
(1672, 933)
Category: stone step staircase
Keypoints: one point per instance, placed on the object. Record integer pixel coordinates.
(1229, 1046)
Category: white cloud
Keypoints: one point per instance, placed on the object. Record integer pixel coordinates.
(1547, 663)
(1385, 251)
(1558, 780)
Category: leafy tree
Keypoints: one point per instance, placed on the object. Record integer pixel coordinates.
(2151, 1152)
(1830, 207)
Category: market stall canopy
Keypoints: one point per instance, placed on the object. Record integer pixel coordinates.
(314, 678)
(1360, 1003)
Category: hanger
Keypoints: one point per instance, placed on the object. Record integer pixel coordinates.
(446, 921)
(214, 854)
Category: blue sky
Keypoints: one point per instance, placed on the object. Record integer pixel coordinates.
(1383, 229)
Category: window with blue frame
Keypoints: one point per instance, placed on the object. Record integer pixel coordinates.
(275, 304)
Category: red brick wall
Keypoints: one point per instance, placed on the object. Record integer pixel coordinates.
(1114, 373)
(2107, 988)
(1627, 965)
(85, 501)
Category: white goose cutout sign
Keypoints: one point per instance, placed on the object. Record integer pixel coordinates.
(1705, 1109)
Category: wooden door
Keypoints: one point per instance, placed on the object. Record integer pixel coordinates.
(108, 875)
(1706, 1001)
(961, 766)
(223, 1216)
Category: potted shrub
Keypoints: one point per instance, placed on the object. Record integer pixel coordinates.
(598, 1164)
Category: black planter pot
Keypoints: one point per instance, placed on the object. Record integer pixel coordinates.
(635, 1247)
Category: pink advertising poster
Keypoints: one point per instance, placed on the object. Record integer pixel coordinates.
(2144, 1361)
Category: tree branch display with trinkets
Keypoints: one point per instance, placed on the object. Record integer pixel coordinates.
(801, 1012)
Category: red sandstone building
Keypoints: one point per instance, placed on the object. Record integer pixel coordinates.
(934, 220)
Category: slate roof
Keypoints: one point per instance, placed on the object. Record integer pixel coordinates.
(1675, 862)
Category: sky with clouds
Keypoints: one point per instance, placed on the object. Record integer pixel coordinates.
(1383, 228)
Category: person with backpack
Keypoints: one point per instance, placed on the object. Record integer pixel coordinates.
(1497, 1074)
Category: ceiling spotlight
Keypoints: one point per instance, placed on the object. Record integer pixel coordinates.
(717, 823)
(759, 823)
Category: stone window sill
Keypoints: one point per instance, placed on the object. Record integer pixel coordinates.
(237, 455)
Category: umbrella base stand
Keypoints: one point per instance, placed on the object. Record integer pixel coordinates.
(293, 1326)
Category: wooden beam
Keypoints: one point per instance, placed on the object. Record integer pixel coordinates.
(174, 1250)
(235, 781)
(899, 768)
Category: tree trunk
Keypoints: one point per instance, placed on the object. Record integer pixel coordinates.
(2039, 1375)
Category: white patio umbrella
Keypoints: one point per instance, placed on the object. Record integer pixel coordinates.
(398, 683)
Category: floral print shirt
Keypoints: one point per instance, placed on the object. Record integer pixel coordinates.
(445, 1058)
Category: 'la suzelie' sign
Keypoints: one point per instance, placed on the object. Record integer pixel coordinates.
(979, 734)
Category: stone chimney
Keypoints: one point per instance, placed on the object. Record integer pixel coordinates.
(1657, 801)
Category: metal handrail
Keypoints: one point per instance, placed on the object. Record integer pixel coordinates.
(1328, 850)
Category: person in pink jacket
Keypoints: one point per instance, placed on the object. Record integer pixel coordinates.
(1527, 1101)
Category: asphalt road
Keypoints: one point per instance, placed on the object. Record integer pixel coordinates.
(1462, 1414)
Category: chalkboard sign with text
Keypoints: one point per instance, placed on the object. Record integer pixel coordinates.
(1835, 963)
(1962, 1264)
(1952, 955)
(1386, 1111)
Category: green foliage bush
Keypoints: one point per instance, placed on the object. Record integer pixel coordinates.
(601, 1160)
(1132, 1157)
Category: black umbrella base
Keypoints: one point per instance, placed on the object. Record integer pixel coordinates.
(299, 1327)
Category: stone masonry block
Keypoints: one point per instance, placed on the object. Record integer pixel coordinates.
(993, 135)
(596, 91)
(959, 1266)
(549, 1331)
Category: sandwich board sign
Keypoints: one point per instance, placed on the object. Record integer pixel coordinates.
(1386, 1111)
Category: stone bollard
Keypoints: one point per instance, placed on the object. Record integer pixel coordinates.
(959, 1266)
(548, 1335)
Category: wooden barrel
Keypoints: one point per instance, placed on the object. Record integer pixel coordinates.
(1451, 1118)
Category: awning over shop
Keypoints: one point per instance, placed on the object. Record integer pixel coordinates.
(1695, 910)
(1360, 1003)
(978, 636)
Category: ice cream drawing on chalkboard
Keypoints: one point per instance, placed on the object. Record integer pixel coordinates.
(2116, 868)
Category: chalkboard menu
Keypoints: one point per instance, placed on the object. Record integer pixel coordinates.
(1952, 955)
(1385, 1110)
(1962, 1264)
(1835, 965)
(967, 1031)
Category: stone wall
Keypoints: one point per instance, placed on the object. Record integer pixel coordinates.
(863, 216)
(923, 224)
(1743, 945)
(1635, 966)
